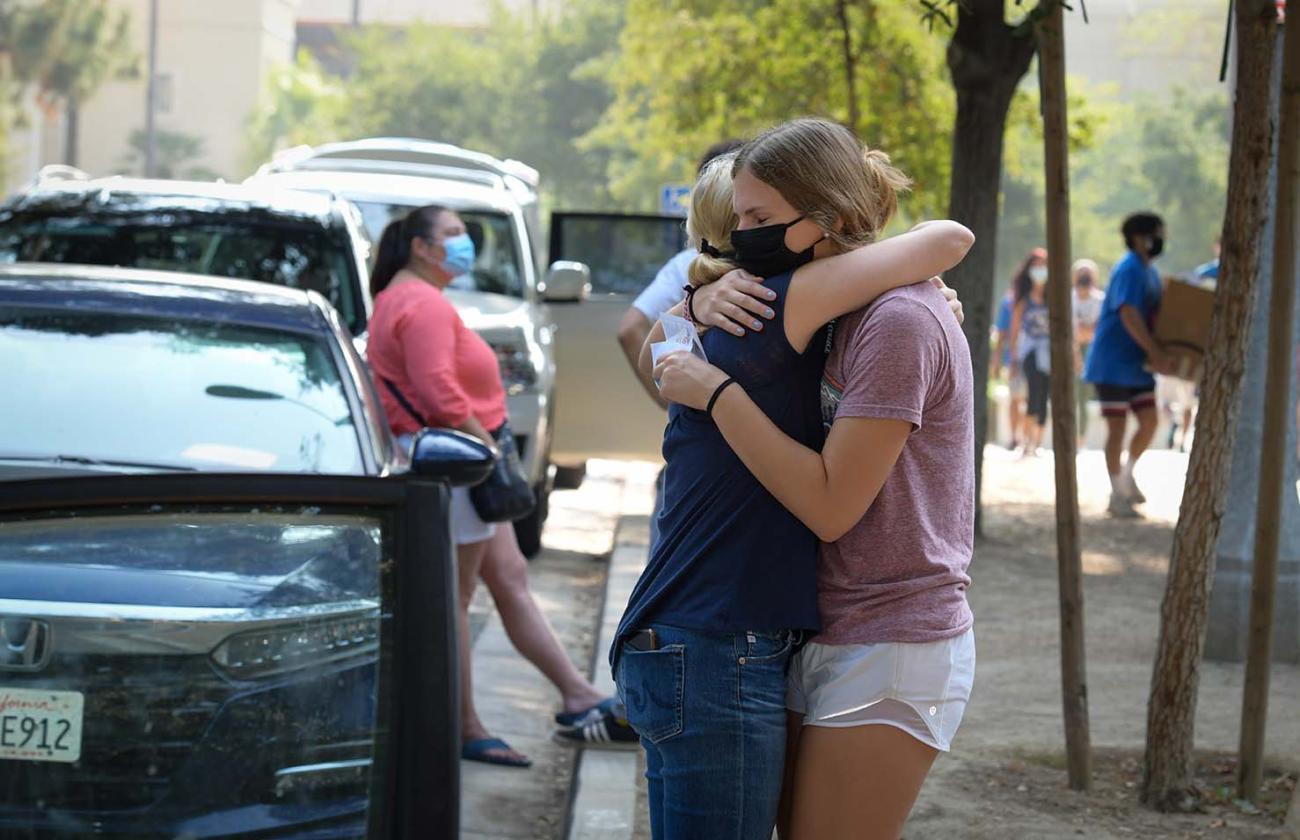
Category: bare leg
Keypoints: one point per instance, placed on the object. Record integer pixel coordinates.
(1115, 428)
(505, 571)
(793, 729)
(857, 783)
(1015, 415)
(1146, 430)
(469, 560)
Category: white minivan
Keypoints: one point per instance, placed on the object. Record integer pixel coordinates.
(507, 296)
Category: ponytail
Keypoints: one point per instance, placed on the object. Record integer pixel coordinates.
(394, 252)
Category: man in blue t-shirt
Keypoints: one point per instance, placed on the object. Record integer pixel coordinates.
(1124, 354)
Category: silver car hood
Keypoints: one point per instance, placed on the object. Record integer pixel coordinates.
(483, 311)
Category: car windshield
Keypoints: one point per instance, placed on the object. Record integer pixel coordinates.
(199, 238)
(497, 266)
(122, 389)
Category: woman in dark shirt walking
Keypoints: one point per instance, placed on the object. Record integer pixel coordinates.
(701, 653)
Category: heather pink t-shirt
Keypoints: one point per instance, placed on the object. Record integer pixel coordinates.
(899, 575)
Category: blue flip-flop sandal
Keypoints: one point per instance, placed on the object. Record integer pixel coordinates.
(483, 749)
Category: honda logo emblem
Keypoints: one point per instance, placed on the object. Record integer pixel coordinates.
(24, 644)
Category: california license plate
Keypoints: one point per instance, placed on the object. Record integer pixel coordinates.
(39, 725)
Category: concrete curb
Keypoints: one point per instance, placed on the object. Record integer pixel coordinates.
(605, 783)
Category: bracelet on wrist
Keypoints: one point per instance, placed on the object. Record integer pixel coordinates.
(688, 309)
(717, 392)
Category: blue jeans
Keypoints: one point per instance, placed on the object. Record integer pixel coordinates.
(710, 710)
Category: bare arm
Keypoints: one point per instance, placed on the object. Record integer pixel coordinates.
(828, 288)
(632, 333)
(473, 427)
(1136, 327)
(645, 363)
(1017, 317)
(828, 491)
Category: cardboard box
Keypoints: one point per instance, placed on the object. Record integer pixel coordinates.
(1183, 325)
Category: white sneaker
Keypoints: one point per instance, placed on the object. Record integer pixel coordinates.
(1134, 494)
(1121, 507)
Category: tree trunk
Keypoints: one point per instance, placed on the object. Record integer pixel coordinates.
(1291, 831)
(1056, 156)
(987, 60)
(71, 131)
(1272, 470)
(850, 62)
(1171, 709)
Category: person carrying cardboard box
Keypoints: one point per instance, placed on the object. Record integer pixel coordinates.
(1124, 353)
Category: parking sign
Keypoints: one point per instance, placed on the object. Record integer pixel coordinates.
(675, 199)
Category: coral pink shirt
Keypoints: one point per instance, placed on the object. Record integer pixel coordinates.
(442, 367)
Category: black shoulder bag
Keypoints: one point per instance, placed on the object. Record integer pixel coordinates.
(505, 495)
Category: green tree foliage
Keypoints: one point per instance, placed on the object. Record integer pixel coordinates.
(1163, 153)
(65, 49)
(691, 72)
(175, 155)
(522, 88)
(299, 105)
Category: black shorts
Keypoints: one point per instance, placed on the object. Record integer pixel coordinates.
(1119, 400)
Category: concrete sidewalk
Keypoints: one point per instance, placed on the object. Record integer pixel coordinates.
(515, 701)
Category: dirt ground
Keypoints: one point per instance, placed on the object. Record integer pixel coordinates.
(1005, 777)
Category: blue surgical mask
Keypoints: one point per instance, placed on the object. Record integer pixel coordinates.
(460, 255)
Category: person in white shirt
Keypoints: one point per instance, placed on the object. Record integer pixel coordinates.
(663, 293)
(1087, 302)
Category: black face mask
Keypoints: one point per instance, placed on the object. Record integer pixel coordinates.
(762, 250)
(1157, 247)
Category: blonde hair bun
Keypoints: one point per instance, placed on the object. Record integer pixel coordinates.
(711, 219)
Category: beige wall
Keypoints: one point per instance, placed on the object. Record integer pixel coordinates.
(213, 58)
(468, 13)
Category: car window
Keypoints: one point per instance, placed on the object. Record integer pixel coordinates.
(136, 389)
(498, 265)
(624, 252)
(241, 245)
(195, 668)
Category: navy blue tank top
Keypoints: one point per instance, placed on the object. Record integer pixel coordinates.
(730, 557)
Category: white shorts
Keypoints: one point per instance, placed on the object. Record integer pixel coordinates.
(921, 689)
(466, 525)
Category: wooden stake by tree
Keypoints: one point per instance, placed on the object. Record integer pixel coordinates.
(1051, 56)
(1281, 346)
(1171, 708)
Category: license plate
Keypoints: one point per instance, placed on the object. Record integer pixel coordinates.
(38, 725)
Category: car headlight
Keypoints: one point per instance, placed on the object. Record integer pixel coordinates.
(288, 647)
(517, 370)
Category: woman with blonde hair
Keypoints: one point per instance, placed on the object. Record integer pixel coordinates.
(701, 655)
(880, 692)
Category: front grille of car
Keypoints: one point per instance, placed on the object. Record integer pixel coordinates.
(143, 716)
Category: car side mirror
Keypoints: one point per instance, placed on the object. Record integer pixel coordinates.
(459, 459)
(567, 282)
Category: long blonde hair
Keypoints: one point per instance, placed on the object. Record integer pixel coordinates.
(829, 176)
(710, 221)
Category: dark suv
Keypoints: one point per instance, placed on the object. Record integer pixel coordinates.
(285, 237)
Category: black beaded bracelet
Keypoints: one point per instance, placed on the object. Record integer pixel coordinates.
(717, 392)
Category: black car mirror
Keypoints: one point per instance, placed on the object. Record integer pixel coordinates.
(459, 459)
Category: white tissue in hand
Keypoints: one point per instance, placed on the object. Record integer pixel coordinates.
(679, 334)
